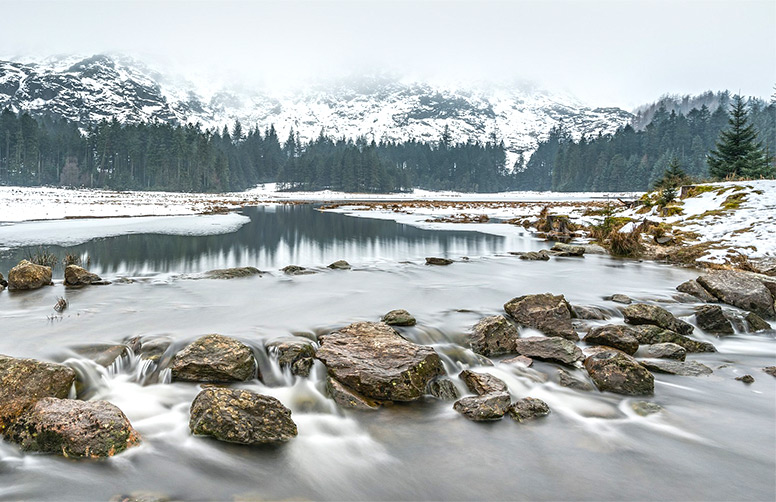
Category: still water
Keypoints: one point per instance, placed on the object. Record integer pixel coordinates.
(714, 440)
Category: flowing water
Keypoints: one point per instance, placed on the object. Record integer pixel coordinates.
(714, 440)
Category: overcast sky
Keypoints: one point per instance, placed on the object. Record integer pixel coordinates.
(608, 53)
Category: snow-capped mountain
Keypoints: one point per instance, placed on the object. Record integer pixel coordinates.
(381, 108)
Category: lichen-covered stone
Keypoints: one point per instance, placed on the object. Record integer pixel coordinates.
(648, 334)
(73, 428)
(482, 383)
(214, 358)
(550, 314)
(27, 275)
(528, 408)
(373, 359)
(76, 277)
(240, 416)
(399, 317)
(346, 397)
(642, 313)
(615, 371)
(493, 336)
(25, 381)
(613, 335)
(484, 408)
(665, 351)
(553, 349)
(298, 355)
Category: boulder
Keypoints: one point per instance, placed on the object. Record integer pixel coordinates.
(595, 249)
(493, 336)
(27, 275)
(588, 313)
(711, 319)
(240, 416)
(565, 379)
(541, 255)
(232, 273)
(73, 428)
(528, 408)
(482, 383)
(561, 249)
(548, 313)
(339, 265)
(645, 408)
(615, 371)
(613, 335)
(740, 290)
(345, 397)
(522, 360)
(682, 368)
(296, 270)
(620, 298)
(438, 261)
(214, 358)
(298, 355)
(373, 359)
(648, 334)
(551, 349)
(756, 323)
(444, 389)
(484, 408)
(76, 277)
(24, 381)
(399, 317)
(102, 353)
(692, 287)
(641, 313)
(665, 350)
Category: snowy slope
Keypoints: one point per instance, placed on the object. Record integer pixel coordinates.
(380, 108)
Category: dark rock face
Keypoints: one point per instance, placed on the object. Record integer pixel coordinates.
(561, 249)
(339, 265)
(682, 368)
(3, 282)
(483, 408)
(444, 389)
(620, 298)
(548, 313)
(666, 351)
(76, 277)
(241, 416)
(552, 349)
(232, 273)
(73, 428)
(296, 270)
(710, 318)
(566, 380)
(645, 408)
(214, 358)
(541, 255)
(692, 287)
(345, 397)
(616, 371)
(438, 261)
(295, 354)
(493, 336)
(374, 360)
(740, 290)
(647, 334)
(27, 275)
(102, 354)
(482, 383)
(641, 313)
(756, 323)
(24, 381)
(613, 335)
(399, 317)
(528, 408)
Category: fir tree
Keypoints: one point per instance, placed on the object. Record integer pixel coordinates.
(673, 176)
(738, 153)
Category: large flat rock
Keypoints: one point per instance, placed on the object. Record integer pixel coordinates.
(741, 290)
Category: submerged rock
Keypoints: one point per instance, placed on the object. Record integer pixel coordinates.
(399, 317)
(692, 287)
(620, 298)
(345, 397)
(666, 350)
(214, 358)
(747, 379)
(140, 497)
(24, 381)
(482, 383)
(76, 277)
(589, 313)
(296, 270)
(642, 313)
(648, 334)
(561, 249)
(232, 273)
(615, 371)
(73, 428)
(523, 360)
(739, 289)
(373, 359)
(298, 355)
(339, 265)
(682, 368)
(438, 261)
(493, 336)
(756, 323)
(154, 349)
(27, 275)
(528, 408)
(484, 408)
(548, 313)
(710, 318)
(102, 353)
(613, 335)
(240, 416)
(645, 408)
(541, 255)
(551, 349)
(565, 379)
(444, 389)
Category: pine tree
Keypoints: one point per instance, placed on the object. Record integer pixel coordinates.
(673, 176)
(738, 153)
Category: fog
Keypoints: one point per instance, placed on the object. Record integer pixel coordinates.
(608, 53)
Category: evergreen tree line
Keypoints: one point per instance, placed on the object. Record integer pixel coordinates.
(159, 156)
(637, 160)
